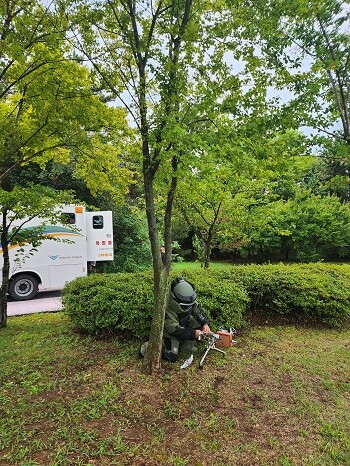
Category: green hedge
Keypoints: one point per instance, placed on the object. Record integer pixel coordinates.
(102, 303)
(318, 293)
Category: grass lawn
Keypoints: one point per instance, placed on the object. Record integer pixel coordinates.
(195, 265)
(280, 397)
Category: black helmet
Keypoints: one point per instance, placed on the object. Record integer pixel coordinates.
(183, 292)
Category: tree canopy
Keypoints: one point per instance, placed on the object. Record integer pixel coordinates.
(48, 111)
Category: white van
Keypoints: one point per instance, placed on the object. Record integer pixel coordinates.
(55, 263)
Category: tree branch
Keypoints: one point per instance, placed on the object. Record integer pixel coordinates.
(341, 103)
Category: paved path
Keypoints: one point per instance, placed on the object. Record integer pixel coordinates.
(47, 301)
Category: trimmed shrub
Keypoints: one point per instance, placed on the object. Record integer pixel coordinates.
(123, 302)
(110, 303)
(318, 293)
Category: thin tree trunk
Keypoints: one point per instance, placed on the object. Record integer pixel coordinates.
(5, 272)
(207, 251)
(151, 362)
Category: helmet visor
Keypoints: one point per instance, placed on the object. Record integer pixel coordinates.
(186, 306)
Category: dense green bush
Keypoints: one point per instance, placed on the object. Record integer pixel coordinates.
(132, 251)
(308, 227)
(103, 303)
(318, 293)
(308, 292)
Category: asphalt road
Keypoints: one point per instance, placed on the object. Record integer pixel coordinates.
(46, 301)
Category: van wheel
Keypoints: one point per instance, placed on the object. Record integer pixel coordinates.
(23, 287)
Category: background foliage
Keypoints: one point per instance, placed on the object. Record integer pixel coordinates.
(131, 245)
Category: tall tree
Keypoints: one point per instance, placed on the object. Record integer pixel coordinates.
(47, 105)
(205, 199)
(169, 56)
(243, 164)
(48, 111)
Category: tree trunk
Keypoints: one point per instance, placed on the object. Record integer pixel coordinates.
(5, 272)
(208, 240)
(151, 362)
(207, 251)
(152, 359)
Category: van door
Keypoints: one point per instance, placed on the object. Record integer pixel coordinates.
(99, 236)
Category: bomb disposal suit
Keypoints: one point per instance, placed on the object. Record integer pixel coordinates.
(182, 318)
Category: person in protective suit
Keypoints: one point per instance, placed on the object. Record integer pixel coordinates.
(185, 320)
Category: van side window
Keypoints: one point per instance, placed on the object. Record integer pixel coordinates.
(68, 218)
(97, 222)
